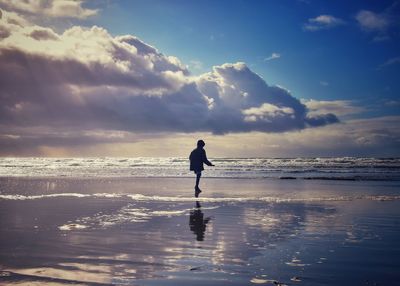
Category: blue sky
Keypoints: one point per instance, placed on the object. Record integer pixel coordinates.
(119, 78)
(342, 62)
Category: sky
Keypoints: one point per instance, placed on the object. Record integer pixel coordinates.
(259, 78)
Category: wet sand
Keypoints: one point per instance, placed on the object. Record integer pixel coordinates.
(240, 232)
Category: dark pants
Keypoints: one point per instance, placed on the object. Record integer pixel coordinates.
(198, 176)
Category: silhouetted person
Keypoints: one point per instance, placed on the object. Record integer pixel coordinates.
(197, 222)
(197, 158)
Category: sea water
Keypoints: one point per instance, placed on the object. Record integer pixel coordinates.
(332, 168)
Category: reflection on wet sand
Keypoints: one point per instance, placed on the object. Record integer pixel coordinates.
(197, 222)
(107, 240)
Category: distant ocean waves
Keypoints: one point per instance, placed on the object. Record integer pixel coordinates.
(343, 168)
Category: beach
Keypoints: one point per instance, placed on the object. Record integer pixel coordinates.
(152, 231)
(188, 143)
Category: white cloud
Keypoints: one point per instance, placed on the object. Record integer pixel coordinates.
(324, 83)
(322, 22)
(266, 112)
(51, 8)
(236, 90)
(273, 56)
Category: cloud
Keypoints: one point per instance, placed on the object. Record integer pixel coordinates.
(266, 112)
(362, 137)
(338, 107)
(196, 64)
(11, 22)
(384, 24)
(322, 22)
(85, 79)
(43, 34)
(273, 56)
(392, 103)
(390, 62)
(324, 83)
(234, 92)
(371, 21)
(52, 8)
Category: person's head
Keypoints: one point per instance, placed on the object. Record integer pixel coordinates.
(200, 144)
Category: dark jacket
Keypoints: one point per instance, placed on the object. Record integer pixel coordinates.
(197, 158)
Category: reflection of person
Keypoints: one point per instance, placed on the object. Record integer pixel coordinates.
(198, 223)
(197, 158)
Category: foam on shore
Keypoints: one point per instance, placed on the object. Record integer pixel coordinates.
(149, 198)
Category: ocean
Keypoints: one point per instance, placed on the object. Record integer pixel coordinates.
(338, 168)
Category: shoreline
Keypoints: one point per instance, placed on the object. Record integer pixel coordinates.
(214, 189)
(355, 178)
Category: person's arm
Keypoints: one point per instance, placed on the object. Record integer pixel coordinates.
(205, 160)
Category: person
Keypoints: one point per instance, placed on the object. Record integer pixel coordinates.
(197, 158)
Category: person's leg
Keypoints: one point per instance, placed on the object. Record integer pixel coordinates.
(198, 176)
